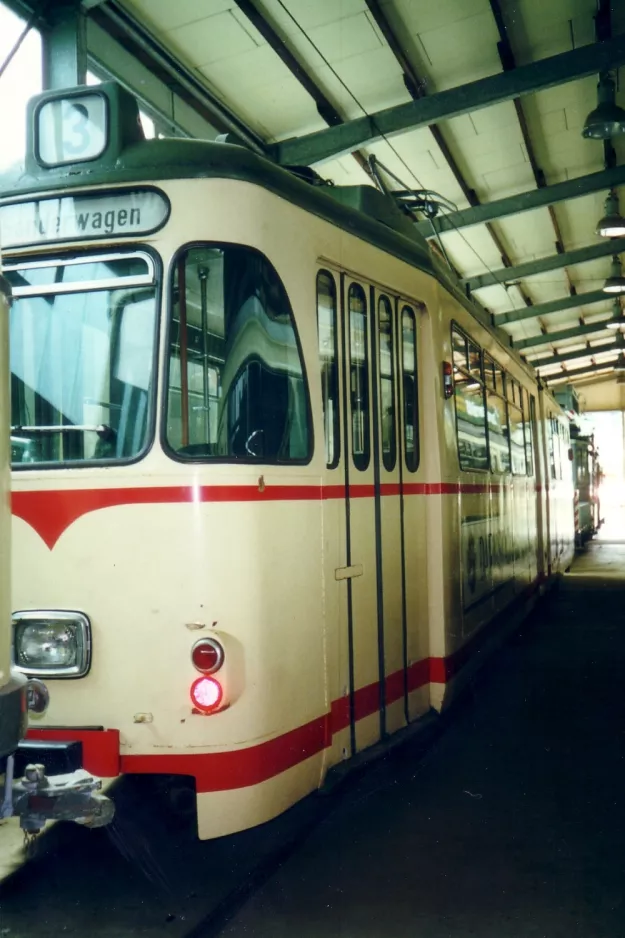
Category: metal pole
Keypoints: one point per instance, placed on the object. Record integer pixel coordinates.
(182, 343)
(64, 45)
(203, 277)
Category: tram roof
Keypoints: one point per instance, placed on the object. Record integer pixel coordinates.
(361, 210)
(481, 100)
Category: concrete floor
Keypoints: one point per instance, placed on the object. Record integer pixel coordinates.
(514, 824)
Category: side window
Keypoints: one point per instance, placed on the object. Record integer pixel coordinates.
(470, 405)
(409, 384)
(497, 419)
(530, 417)
(554, 447)
(517, 438)
(328, 361)
(237, 389)
(387, 383)
(359, 376)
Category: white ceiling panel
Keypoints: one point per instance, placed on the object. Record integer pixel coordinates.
(164, 15)
(341, 47)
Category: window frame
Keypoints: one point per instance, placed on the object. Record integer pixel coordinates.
(48, 256)
(224, 460)
(530, 418)
(405, 306)
(494, 390)
(456, 327)
(384, 300)
(336, 423)
(518, 407)
(360, 464)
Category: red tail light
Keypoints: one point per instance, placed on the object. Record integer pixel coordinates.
(207, 655)
(206, 694)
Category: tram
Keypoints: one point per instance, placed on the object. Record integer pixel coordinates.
(278, 484)
(586, 481)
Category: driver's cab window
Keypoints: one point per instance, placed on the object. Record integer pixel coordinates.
(237, 389)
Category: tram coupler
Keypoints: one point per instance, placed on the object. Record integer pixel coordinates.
(35, 798)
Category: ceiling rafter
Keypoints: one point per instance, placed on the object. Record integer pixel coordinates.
(507, 275)
(416, 86)
(579, 373)
(590, 351)
(526, 79)
(154, 56)
(553, 306)
(526, 201)
(553, 338)
(508, 62)
(324, 106)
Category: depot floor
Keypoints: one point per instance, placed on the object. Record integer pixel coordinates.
(513, 826)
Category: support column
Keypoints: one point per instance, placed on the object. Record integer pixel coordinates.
(64, 45)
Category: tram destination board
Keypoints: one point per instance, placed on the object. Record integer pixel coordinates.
(83, 217)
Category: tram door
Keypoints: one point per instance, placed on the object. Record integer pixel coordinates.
(388, 457)
(374, 603)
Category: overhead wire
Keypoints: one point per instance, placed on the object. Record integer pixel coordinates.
(349, 91)
(384, 137)
(32, 19)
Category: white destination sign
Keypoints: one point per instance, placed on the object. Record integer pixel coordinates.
(83, 217)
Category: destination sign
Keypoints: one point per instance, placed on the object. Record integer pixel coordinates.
(82, 217)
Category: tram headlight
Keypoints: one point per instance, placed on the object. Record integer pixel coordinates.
(51, 643)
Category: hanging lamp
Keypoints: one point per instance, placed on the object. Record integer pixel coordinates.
(616, 281)
(612, 225)
(618, 318)
(607, 119)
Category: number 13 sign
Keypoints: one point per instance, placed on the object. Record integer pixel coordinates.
(72, 129)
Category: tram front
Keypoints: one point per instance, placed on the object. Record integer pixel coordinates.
(142, 300)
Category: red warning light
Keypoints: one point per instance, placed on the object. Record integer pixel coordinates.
(206, 694)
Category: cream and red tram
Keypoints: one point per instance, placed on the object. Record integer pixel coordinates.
(273, 474)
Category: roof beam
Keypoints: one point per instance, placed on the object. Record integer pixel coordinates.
(416, 89)
(506, 275)
(526, 201)
(617, 343)
(580, 373)
(325, 108)
(508, 62)
(553, 306)
(526, 79)
(181, 81)
(552, 338)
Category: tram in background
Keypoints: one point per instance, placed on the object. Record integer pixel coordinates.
(587, 476)
(278, 484)
(585, 469)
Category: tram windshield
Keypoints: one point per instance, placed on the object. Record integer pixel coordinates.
(237, 389)
(82, 335)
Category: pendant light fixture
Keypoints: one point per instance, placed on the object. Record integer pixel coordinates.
(618, 318)
(607, 119)
(612, 225)
(616, 281)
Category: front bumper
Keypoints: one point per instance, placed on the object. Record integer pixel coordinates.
(99, 747)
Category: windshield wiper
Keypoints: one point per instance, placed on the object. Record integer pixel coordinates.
(102, 429)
